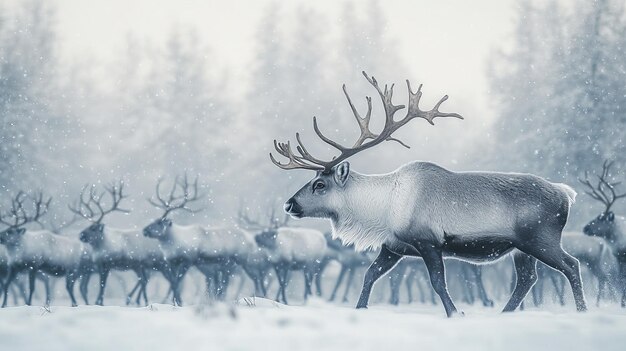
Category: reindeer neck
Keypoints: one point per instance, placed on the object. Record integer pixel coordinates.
(363, 220)
(168, 236)
(617, 237)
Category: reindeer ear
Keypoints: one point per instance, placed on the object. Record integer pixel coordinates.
(341, 173)
(611, 216)
(21, 231)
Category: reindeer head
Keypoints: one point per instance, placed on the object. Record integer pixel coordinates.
(604, 192)
(324, 194)
(16, 217)
(266, 234)
(180, 196)
(90, 205)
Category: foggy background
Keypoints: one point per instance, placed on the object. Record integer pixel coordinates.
(92, 92)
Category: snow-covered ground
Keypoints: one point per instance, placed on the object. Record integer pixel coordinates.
(316, 326)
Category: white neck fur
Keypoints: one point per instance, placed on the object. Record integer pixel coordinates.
(364, 216)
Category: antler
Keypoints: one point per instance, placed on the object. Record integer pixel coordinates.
(56, 227)
(247, 221)
(306, 161)
(18, 213)
(41, 207)
(251, 223)
(599, 191)
(176, 201)
(90, 206)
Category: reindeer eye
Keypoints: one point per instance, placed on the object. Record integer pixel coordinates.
(319, 185)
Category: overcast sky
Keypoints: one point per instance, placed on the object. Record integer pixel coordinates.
(445, 43)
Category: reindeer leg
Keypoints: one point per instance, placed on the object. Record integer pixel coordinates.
(31, 286)
(468, 286)
(70, 279)
(239, 290)
(395, 282)
(130, 295)
(21, 291)
(381, 265)
(408, 281)
(433, 258)
(46, 284)
(104, 274)
(342, 273)
(482, 292)
(601, 288)
(525, 268)
(262, 278)
(286, 280)
(10, 277)
(318, 279)
(279, 277)
(84, 283)
(307, 284)
(225, 282)
(348, 284)
(420, 291)
(144, 282)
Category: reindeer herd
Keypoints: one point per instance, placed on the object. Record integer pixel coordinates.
(404, 223)
(162, 247)
(262, 253)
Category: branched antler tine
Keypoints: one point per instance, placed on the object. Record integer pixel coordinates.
(249, 222)
(603, 181)
(18, 210)
(386, 97)
(8, 224)
(157, 193)
(415, 111)
(373, 82)
(81, 203)
(41, 207)
(606, 166)
(592, 190)
(398, 141)
(598, 192)
(305, 153)
(294, 162)
(175, 202)
(116, 190)
(173, 191)
(325, 139)
(364, 122)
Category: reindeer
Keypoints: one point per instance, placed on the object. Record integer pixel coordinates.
(422, 209)
(116, 248)
(36, 251)
(215, 252)
(290, 249)
(605, 225)
(258, 264)
(18, 287)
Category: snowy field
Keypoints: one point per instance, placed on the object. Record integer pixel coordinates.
(316, 326)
